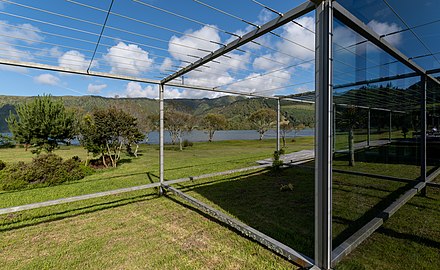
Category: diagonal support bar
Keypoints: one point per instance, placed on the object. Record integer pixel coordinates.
(258, 236)
(264, 29)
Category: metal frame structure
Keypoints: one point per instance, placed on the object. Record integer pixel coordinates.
(326, 11)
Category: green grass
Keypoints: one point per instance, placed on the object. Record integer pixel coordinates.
(138, 230)
(200, 159)
(361, 136)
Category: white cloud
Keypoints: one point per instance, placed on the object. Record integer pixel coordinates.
(47, 79)
(289, 52)
(128, 59)
(263, 84)
(188, 41)
(25, 33)
(96, 88)
(74, 60)
(383, 28)
(134, 89)
(13, 34)
(166, 64)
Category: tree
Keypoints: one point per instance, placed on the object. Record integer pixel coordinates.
(106, 131)
(262, 120)
(298, 123)
(349, 118)
(177, 123)
(43, 123)
(285, 127)
(213, 122)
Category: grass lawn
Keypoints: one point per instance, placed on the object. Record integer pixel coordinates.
(200, 159)
(141, 231)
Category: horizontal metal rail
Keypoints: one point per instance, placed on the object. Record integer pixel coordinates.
(258, 236)
(121, 190)
(379, 176)
(32, 65)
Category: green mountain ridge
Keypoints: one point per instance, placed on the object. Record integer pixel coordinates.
(235, 108)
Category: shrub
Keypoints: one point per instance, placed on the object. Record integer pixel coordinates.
(187, 143)
(2, 165)
(277, 163)
(44, 170)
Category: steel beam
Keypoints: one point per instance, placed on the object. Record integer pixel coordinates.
(423, 130)
(161, 136)
(323, 133)
(287, 17)
(358, 26)
(278, 124)
(15, 63)
(390, 126)
(377, 80)
(369, 127)
(334, 128)
(385, 79)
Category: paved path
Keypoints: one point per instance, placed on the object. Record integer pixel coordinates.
(362, 145)
(296, 157)
(307, 155)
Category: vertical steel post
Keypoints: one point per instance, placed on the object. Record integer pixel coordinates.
(389, 129)
(278, 123)
(161, 135)
(423, 130)
(369, 127)
(334, 128)
(323, 133)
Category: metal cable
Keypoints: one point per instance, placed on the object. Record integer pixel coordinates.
(411, 30)
(100, 35)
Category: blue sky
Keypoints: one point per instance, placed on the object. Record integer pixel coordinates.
(141, 40)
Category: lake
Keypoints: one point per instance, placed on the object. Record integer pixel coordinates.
(220, 135)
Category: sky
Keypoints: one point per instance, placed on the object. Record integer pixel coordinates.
(153, 38)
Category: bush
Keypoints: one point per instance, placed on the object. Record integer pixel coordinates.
(277, 163)
(2, 165)
(187, 143)
(44, 170)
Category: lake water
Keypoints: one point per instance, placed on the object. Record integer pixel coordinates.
(220, 135)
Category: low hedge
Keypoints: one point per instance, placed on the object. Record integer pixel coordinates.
(44, 170)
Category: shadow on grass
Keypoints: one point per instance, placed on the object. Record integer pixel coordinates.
(15, 221)
(414, 238)
(256, 199)
(372, 212)
(188, 206)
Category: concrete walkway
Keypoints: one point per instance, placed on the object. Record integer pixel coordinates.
(296, 157)
(362, 145)
(308, 155)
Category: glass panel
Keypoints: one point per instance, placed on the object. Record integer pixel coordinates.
(377, 145)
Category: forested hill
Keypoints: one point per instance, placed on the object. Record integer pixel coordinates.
(236, 109)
